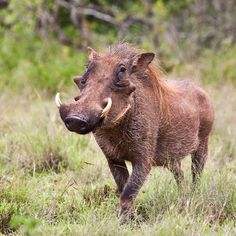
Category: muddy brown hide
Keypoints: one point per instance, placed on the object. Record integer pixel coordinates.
(152, 121)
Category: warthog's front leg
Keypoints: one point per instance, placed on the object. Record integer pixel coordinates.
(120, 173)
(135, 182)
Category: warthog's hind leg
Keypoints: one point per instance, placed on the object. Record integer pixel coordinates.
(199, 159)
(175, 168)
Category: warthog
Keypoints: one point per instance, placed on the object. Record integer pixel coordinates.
(137, 116)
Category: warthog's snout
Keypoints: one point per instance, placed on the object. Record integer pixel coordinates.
(81, 124)
(79, 120)
(77, 124)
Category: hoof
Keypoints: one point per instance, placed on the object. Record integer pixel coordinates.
(124, 216)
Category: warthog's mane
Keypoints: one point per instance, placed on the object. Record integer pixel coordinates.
(162, 89)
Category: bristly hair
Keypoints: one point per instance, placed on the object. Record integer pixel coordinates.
(162, 89)
(122, 51)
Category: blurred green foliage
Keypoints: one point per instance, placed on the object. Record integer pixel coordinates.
(36, 63)
(43, 42)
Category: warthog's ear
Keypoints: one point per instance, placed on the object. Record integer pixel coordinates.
(141, 61)
(77, 80)
(92, 54)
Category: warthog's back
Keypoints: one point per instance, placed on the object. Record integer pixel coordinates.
(191, 119)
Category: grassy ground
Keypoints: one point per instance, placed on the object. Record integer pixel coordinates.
(53, 182)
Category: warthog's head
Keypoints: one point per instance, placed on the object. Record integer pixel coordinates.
(106, 90)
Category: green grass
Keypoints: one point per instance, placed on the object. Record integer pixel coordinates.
(53, 182)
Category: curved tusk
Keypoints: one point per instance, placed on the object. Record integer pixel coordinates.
(122, 113)
(58, 100)
(107, 108)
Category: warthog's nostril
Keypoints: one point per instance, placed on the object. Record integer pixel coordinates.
(76, 124)
(83, 124)
(67, 123)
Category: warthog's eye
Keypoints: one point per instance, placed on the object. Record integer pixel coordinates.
(121, 72)
(122, 68)
(120, 80)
